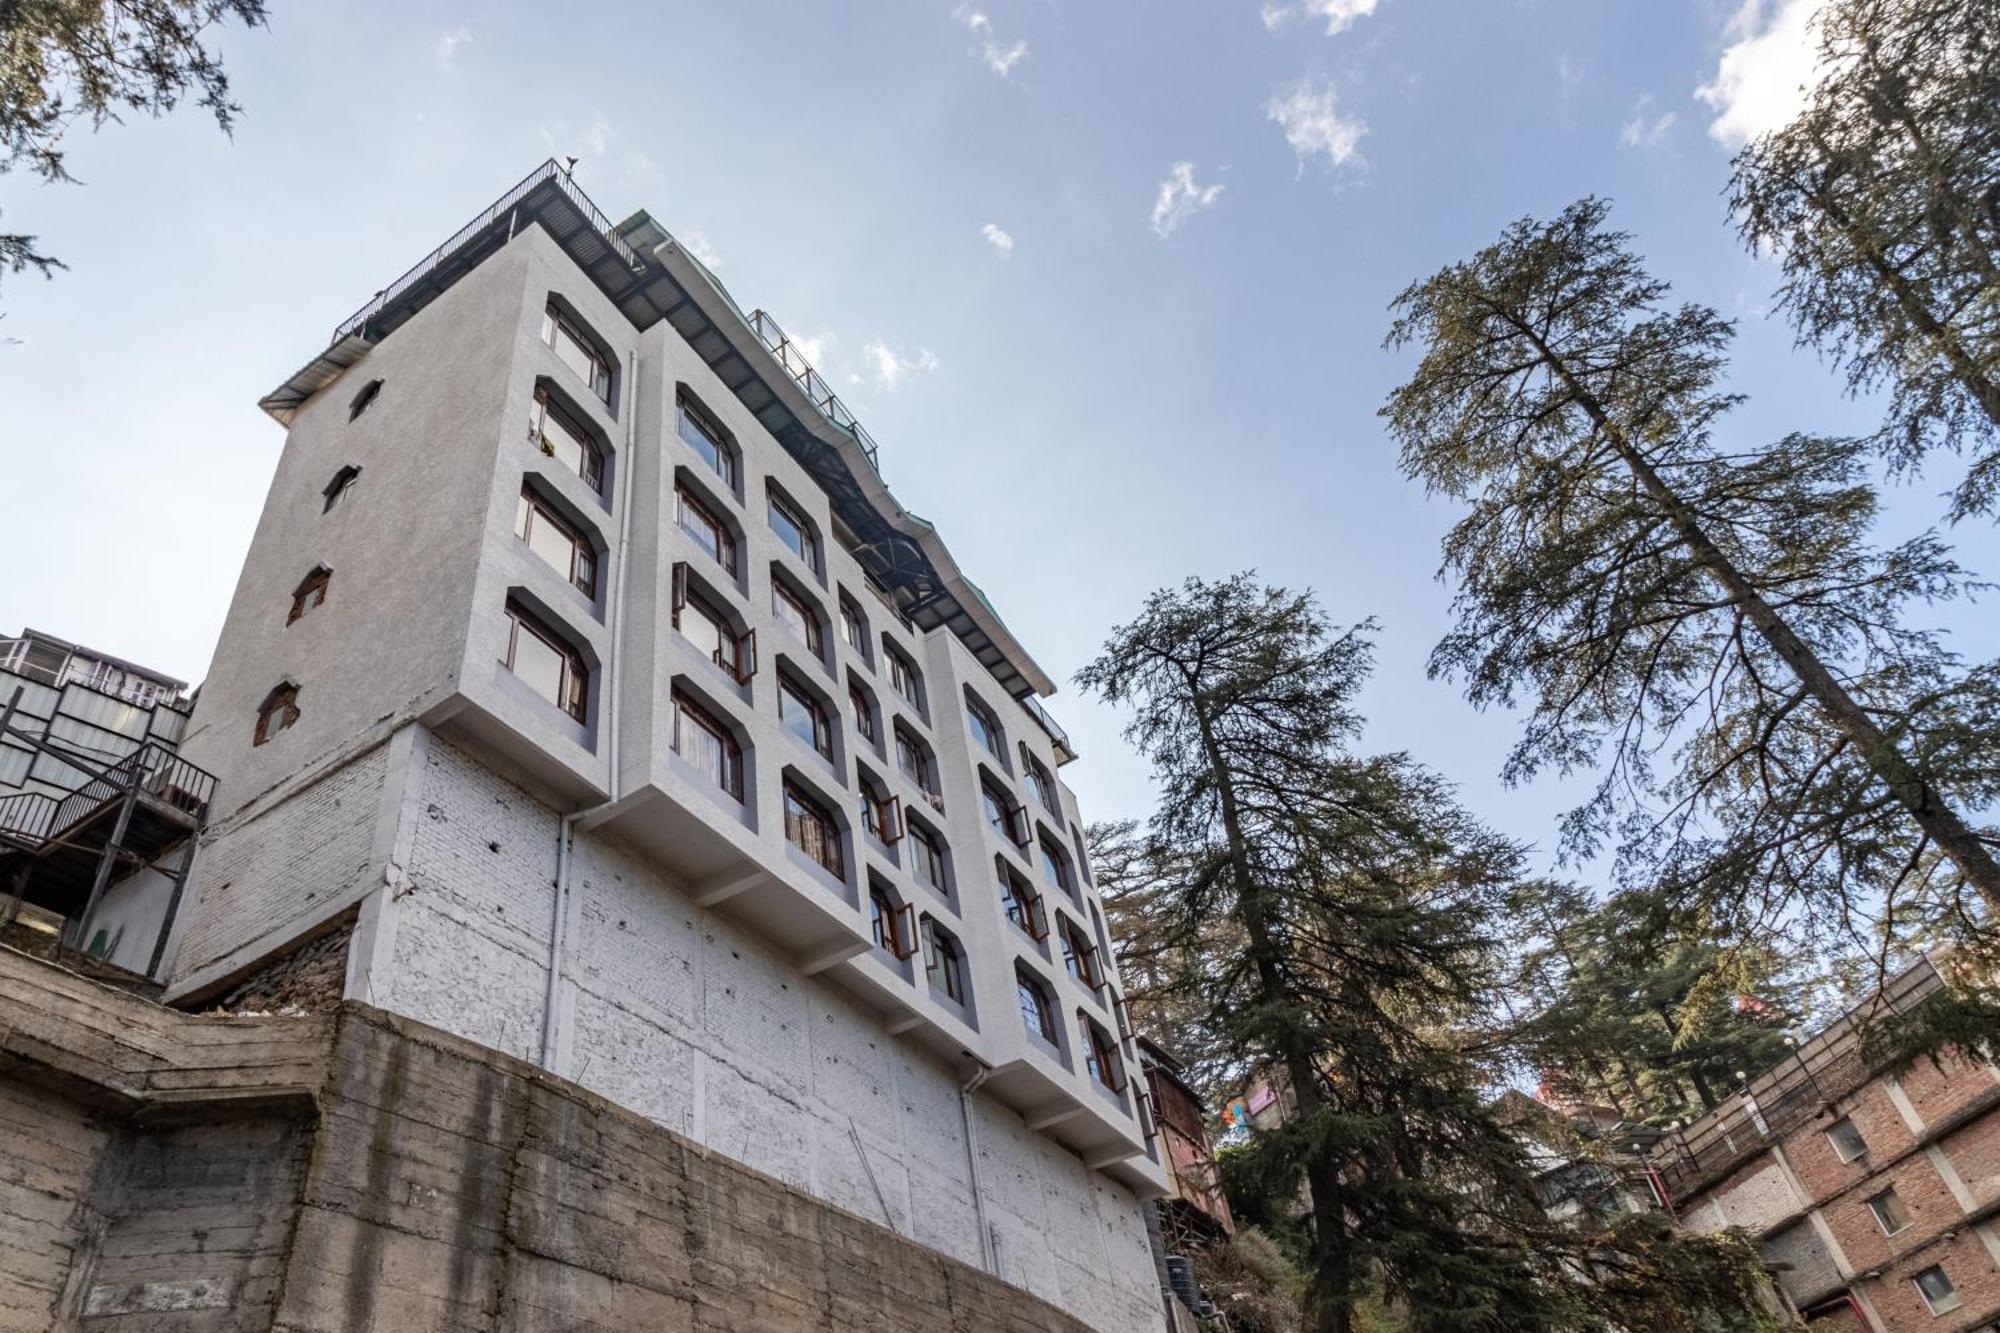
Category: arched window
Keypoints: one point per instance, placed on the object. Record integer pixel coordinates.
(944, 962)
(310, 593)
(278, 711)
(1038, 1014)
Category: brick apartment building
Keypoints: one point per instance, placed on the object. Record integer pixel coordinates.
(1875, 1197)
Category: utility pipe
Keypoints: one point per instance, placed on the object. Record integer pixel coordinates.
(987, 1258)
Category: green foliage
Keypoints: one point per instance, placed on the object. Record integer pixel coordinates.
(1709, 628)
(62, 61)
(1878, 202)
(1368, 913)
(1253, 1283)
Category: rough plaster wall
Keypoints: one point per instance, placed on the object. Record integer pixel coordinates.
(45, 1186)
(263, 878)
(1756, 1201)
(683, 1016)
(473, 918)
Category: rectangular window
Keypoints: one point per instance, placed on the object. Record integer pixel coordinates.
(556, 542)
(913, 760)
(545, 663)
(797, 616)
(708, 531)
(800, 714)
(1010, 821)
(852, 627)
(558, 436)
(707, 439)
(1080, 957)
(577, 350)
(864, 716)
(1939, 1295)
(710, 631)
(927, 858)
(882, 816)
(1055, 869)
(1890, 1214)
(903, 674)
(811, 829)
(1847, 1142)
(1024, 907)
(1101, 1056)
(944, 966)
(794, 532)
(1041, 780)
(707, 744)
(985, 727)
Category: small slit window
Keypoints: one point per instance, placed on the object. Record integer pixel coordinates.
(364, 400)
(310, 593)
(337, 489)
(279, 711)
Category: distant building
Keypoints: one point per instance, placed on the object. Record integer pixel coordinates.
(98, 812)
(1874, 1197)
(1195, 1210)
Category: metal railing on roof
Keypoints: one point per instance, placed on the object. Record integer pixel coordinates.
(1057, 736)
(548, 171)
(816, 388)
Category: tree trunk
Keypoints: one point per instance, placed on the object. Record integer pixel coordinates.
(1938, 820)
(1328, 1311)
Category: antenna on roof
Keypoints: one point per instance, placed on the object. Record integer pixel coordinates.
(569, 168)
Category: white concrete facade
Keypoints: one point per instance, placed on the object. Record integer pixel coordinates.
(673, 950)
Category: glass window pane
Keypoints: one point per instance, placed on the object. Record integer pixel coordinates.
(540, 664)
(699, 629)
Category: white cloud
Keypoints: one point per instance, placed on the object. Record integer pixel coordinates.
(1340, 15)
(999, 58)
(892, 372)
(1313, 125)
(698, 245)
(1569, 75)
(596, 136)
(1645, 129)
(814, 348)
(1180, 198)
(1761, 78)
(998, 239)
(449, 43)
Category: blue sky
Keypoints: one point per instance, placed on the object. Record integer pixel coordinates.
(1106, 279)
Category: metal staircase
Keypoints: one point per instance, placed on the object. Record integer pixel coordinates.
(62, 853)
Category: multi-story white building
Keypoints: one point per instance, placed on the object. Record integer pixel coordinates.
(585, 672)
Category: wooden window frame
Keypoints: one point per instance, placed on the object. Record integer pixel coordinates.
(882, 814)
(336, 489)
(583, 553)
(575, 685)
(590, 458)
(310, 593)
(926, 778)
(1101, 1058)
(282, 703)
(927, 848)
(732, 751)
(745, 642)
(944, 955)
(1080, 956)
(728, 551)
(1032, 915)
(1046, 1027)
(894, 930)
(557, 319)
(864, 714)
(1012, 814)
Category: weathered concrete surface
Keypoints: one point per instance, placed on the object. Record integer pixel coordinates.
(359, 1171)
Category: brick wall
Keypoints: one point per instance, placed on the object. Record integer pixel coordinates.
(689, 1019)
(266, 879)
